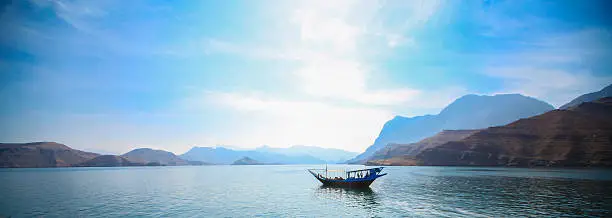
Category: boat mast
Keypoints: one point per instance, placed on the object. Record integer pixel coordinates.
(325, 170)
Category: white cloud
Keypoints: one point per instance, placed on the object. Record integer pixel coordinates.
(329, 47)
(342, 109)
(282, 122)
(415, 14)
(290, 122)
(331, 33)
(347, 80)
(216, 46)
(553, 64)
(110, 133)
(432, 101)
(555, 68)
(75, 13)
(319, 29)
(556, 86)
(395, 40)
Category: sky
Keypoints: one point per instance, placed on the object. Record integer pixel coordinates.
(109, 76)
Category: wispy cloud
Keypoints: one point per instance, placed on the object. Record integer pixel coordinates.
(325, 73)
(90, 28)
(347, 80)
(555, 68)
(335, 33)
(75, 13)
(106, 132)
(329, 47)
(212, 46)
(290, 122)
(340, 107)
(556, 86)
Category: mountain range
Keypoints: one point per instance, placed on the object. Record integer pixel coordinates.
(467, 112)
(221, 155)
(605, 92)
(109, 161)
(297, 154)
(578, 135)
(499, 130)
(51, 154)
(329, 155)
(41, 154)
(404, 154)
(246, 161)
(148, 155)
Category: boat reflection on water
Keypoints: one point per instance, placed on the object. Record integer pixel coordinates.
(364, 198)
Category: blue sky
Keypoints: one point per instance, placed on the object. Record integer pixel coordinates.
(110, 76)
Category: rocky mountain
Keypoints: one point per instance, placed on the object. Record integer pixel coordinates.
(108, 161)
(605, 92)
(41, 154)
(51, 154)
(578, 136)
(148, 155)
(405, 154)
(467, 112)
(221, 155)
(329, 155)
(246, 161)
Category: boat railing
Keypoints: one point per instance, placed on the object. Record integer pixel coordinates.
(329, 173)
(339, 174)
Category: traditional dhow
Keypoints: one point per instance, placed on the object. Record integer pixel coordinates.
(347, 179)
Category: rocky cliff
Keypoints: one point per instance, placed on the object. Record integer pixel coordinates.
(578, 136)
(405, 154)
(467, 112)
(246, 161)
(605, 92)
(108, 161)
(41, 154)
(147, 155)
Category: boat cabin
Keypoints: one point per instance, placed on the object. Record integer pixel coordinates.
(351, 179)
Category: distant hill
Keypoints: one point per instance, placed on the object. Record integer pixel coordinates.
(41, 154)
(148, 155)
(605, 92)
(51, 154)
(467, 112)
(246, 161)
(221, 155)
(329, 155)
(405, 154)
(578, 136)
(108, 161)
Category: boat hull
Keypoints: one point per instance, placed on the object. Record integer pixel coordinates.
(344, 184)
(347, 183)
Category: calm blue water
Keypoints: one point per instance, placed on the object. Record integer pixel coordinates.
(289, 191)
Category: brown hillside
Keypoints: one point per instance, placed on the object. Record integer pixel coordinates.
(404, 154)
(41, 154)
(108, 161)
(579, 136)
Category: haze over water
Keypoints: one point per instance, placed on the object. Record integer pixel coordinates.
(289, 191)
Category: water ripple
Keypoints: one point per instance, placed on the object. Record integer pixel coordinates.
(288, 191)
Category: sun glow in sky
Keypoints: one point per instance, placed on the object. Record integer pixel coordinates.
(110, 76)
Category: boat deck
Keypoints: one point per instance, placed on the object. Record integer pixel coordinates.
(348, 179)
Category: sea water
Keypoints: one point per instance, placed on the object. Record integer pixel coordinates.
(290, 191)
